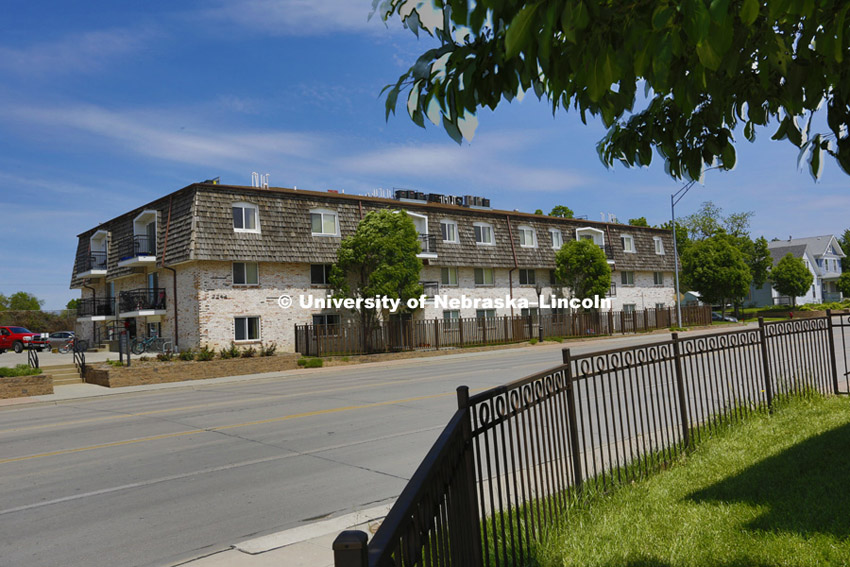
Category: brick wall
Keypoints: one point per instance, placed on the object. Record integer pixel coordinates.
(20, 386)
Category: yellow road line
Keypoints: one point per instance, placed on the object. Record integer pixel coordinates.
(222, 427)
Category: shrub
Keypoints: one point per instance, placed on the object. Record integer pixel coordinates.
(19, 370)
(144, 358)
(268, 350)
(310, 362)
(532, 341)
(116, 363)
(557, 339)
(165, 356)
(205, 354)
(231, 352)
(188, 354)
(249, 352)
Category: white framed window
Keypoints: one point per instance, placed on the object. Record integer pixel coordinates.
(628, 243)
(451, 318)
(659, 306)
(527, 237)
(246, 217)
(658, 278)
(557, 238)
(246, 329)
(629, 307)
(246, 273)
(627, 278)
(324, 222)
(448, 228)
(448, 276)
(485, 313)
(527, 277)
(589, 233)
(483, 233)
(320, 274)
(659, 245)
(484, 277)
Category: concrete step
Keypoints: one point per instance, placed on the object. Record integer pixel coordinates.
(59, 368)
(63, 374)
(64, 381)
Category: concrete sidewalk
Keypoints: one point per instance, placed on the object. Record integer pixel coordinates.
(306, 546)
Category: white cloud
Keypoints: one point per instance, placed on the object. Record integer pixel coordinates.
(77, 53)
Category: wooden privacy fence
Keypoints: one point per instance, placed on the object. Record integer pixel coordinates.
(403, 335)
(512, 458)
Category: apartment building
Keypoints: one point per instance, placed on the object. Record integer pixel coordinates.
(206, 264)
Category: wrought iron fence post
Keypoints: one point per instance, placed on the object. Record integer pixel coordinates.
(833, 366)
(571, 416)
(467, 551)
(350, 549)
(765, 362)
(680, 389)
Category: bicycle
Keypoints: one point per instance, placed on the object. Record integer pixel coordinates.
(152, 344)
(80, 345)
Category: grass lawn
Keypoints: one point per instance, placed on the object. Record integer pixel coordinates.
(774, 490)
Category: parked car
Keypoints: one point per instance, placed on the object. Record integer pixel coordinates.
(19, 338)
(715, 316)
(59, 338)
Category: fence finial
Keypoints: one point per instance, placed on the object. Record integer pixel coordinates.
(462, 397)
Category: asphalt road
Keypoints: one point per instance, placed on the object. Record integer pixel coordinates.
(158, 477)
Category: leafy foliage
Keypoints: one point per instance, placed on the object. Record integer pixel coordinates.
(20, 301)
(844, 242)
(18, 370)
(640, 221)
(582, 267)
(562, 211)
(843, 284)
(73, 304)
(205, 354)
(757, 256)
(791, 277)
(707, 67)
(715, 267)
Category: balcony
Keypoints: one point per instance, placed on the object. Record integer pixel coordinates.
(93, 266)
(139, 250)
(96, 309)
(428, 243)
(142, 302)
(609, 252)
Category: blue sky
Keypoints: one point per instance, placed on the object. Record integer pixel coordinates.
(106, 105)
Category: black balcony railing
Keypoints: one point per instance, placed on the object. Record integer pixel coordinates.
(91, 307)
(609, 252)
(94, 261)
(142, 299)
(428, 242)
(139, 245)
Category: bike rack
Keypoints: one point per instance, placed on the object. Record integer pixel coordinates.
(32, 357)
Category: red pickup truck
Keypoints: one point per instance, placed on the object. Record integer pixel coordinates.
(18, 338)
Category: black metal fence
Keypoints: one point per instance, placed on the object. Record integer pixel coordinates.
(512, 458)
(142, 299)
(402, 335)
(96, 306)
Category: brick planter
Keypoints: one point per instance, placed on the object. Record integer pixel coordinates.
(150, 372)
(21, 386)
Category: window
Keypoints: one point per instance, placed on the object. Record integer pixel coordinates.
(629, 307)
(589, 233)
(319, 274)
(612, 291)
(451, 318)
(527, 277)
(659, 245)
(658, 278)
(448, 276)
(484, 276)
(628, 243)
(483, 233)
(326, 320)
(627, 278)
(245, 273)
(449, 231)
(324, 223)
(529, 312)
(246, 217)
(485, 313)
(557, 238)
(527, 237)
(660, 306)
(246, 329)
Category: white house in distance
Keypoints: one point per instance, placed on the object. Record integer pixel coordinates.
(821, 254)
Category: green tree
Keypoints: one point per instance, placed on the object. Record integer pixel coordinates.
(561, 211)
(581, 266)
(379, 259)
(757, 256)
(705, 67)
(23, 301)
(791, 277)
(73, 304)
(640, 221)
(538, 211)
(843, 284)
(4, 302)
(682, 240)
(715, 267)
(844, 242)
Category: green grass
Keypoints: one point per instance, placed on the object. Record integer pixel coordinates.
(770, 491)
(19, 370)
(308, 362)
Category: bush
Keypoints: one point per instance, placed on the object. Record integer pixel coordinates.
(205, 354)
(557, 339)
(165, 356)
(116, 363)
(268, 350)
(19, 370)
(231, 352)
(532, 341)
(249, 352)
(144, 358)
(310, 362)
(188, 354)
